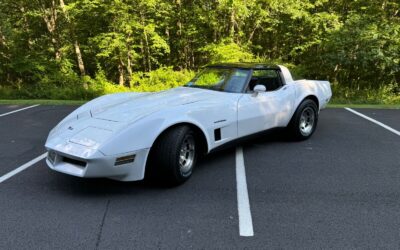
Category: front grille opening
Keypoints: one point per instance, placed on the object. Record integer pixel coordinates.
(74, 162)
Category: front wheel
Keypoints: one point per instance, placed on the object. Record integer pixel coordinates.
(304, 120)
(174, 155)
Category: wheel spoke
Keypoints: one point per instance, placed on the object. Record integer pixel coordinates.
(187, 154)
(306, 123)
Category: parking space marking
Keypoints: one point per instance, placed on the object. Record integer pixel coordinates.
(15, 111)
(22, 168)
(245, 220)
(374, 121)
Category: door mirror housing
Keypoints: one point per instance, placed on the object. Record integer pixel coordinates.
(259, 89)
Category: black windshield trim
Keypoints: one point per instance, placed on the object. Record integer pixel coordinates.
(198, 87)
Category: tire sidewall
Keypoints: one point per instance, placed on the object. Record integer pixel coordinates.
(295, 124)
(163, 160)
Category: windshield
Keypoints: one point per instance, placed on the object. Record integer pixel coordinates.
(221, 79)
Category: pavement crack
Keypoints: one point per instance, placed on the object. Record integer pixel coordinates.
(102, 225)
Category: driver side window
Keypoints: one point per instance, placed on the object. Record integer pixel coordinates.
(268, 77)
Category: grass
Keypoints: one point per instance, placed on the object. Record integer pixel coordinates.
(42, 102)
(80, 102)
(371, 106)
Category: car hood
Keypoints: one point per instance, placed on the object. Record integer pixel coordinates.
(133, 108)
(84, 133)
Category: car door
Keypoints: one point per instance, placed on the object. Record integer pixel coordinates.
(265, 110)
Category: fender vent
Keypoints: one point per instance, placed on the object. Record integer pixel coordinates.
(217, 134)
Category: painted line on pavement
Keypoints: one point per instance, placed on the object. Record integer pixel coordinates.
(15, 111)
(245, 220)
(374, 121)
(22, 168)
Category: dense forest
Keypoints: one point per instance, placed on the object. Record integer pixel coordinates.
(78, 49)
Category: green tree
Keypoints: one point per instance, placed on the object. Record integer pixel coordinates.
(78, 43)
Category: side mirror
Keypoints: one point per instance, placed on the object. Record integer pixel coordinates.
(259, 89)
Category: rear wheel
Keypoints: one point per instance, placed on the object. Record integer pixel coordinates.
(174, 155)
(304, 120)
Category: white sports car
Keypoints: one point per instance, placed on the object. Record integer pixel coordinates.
(126, 136)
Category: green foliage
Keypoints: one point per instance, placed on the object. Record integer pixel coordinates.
(160, 79)
(157, 80)
(79, 49)
(210, 78)
(227, 52)
(384, 95)
(364, 53)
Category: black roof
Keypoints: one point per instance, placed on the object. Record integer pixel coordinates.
(244, 65)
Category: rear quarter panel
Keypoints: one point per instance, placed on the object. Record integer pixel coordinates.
(320, 89)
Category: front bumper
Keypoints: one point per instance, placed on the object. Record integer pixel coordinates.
(99, 165)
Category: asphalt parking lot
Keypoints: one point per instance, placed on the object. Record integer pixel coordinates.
(340, 189)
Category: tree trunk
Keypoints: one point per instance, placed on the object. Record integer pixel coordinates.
(57, 49)
(179, 34)
(50, 18)
(121, 80)
(129, 67)
(143, 54)
(26, 26)
(78, 53)
(2, 39)
(146, 40)
(384, 3)
(232, 24)
(79, 58)
(252, 33)
(146, 43)
(169, 43)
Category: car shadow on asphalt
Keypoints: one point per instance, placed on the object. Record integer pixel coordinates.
(104, 187)
(275, 135)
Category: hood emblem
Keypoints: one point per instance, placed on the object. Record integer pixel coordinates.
(70, 128)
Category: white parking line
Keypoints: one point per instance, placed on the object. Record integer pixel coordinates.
(245, 220)
(22, 168)
(15, 111)
(374, 121)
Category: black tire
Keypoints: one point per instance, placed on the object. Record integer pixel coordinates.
(164, 159)
(300, 130)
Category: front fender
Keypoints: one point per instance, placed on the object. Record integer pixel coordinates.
(143, 133)
(206, 115)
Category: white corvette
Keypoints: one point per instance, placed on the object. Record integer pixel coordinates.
(127, 135)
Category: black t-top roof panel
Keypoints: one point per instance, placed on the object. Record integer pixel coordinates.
(243, 65)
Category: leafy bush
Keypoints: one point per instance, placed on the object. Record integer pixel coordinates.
(227, 52)
(389, 94)
(59, 87)
(363, 54)
(160, 79)
(53, 87)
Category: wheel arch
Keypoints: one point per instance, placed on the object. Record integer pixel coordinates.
(310, 97)
(293, 123)
(199, 133)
